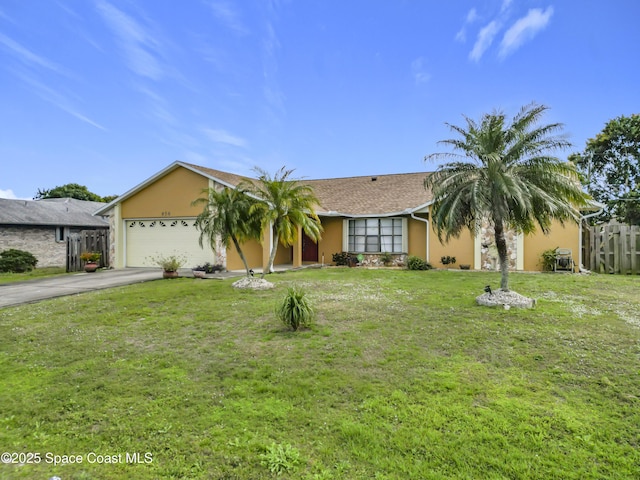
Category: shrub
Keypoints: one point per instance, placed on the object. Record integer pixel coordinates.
(341, 258)
(209, 268)
(386, 258)
(17, 261)
(446, 260)
(416, 263)
(548, 259)
(294, 310)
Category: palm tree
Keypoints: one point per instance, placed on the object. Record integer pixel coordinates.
(507, 175)
(287, 205)
(227, 217)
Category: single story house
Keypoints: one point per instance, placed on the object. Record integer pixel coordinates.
(41, 227)
(365, 215)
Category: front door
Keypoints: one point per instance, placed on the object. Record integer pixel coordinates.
(309, 249)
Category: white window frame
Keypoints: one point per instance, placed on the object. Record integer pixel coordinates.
(60, 234)
(404, 237)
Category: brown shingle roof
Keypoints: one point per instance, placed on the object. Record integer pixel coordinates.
(230, 178)
(388, 194)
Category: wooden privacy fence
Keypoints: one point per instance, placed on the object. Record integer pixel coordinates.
(612, 249)
(87, 241)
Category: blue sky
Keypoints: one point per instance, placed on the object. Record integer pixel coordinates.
(106, 93)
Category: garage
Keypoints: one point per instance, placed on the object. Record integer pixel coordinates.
(149, 238)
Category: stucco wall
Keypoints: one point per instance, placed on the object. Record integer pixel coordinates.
(461, 248)
(252, 252)
(169, 196)
(563, 237)
(417, 238)
(40, 241)
(331, 241)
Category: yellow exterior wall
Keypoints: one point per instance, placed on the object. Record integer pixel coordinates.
(461, 248)
(417, 238)
(563, 237)
(252, 251)
(331, 241)
(169, 196)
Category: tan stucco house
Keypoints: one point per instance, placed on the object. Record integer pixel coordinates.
(366, 214)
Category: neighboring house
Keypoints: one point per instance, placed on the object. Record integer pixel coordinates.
(367, 215)
(41, 227)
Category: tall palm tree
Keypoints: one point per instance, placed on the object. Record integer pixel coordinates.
(227, 217)
(287, 205)
(506, 174)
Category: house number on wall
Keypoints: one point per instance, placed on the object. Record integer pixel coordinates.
(165, 214)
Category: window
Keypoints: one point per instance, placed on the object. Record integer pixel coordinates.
(59, 234)
(375, 235)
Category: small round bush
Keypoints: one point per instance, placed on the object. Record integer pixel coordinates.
(416, 263)
(17, 261)
(295, 311)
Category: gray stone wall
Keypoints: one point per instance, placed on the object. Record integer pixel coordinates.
(489, 253)
(40, 241)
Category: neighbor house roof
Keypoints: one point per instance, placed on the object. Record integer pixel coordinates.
(387, 195)
(67, 212)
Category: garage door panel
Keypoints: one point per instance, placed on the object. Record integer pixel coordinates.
(146, 239)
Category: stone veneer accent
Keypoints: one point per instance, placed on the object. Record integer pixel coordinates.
(373, 259)
(112, 239)
(40, 241)
(489, 253)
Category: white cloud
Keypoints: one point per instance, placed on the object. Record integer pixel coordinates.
(505, 5)
(419, 71)
(484, 40)
(225, 12)
(222, 136)
(7, 194)
(472, 16)
(524, 29)
(27, 56)
(138, 44)
(59, 100)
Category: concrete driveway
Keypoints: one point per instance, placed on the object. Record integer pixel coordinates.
(59, 286)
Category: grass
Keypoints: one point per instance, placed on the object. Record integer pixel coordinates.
(400, 376)
(7, 277)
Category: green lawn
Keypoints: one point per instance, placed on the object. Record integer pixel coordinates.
(400, 377)
(6, 277)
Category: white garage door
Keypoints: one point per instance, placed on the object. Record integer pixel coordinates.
(146, 239)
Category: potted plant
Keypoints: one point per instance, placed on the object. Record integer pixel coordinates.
(170, 264)
(446, 260)
(91, 260)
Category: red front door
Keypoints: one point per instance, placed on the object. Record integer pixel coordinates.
(309, 249)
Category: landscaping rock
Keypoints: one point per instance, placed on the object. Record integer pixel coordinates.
(505, 299)
(253, 283)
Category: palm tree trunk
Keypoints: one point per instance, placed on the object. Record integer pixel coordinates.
(501, 246)
(244, 260)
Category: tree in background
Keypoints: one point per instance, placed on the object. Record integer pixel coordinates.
(610, 169)
(227, 216)
(286, 205)
(72, 190)
(505, 174)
